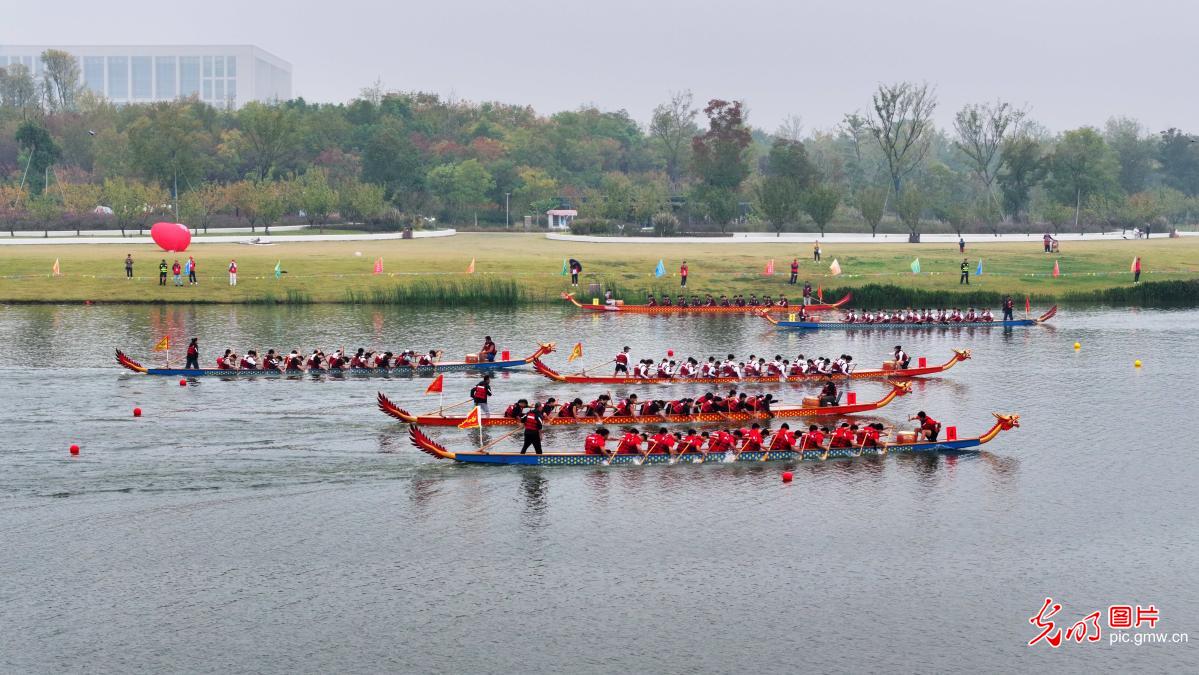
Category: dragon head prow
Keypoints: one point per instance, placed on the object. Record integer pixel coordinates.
(901, 388)
(963, 354)
(1007, 421)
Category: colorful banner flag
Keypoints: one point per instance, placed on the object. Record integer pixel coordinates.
(916, 266)
(769, 268)
(187, 267)
(379, 265)
(575, 353)
(979, 272)
(565, 268)
(164, 344)
(660, 270)
(56, 270)
(1027, 304)
(278, 268)
(435, 387)
(835, 268)
(472, 420)
(1057, 270)
(470, 269)
(1133, 267)
(820, 293)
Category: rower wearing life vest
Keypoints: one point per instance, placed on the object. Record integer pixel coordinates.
(663, 441)
(691, 442)
(222, 362)
(594, 443)
(622, 362)
(294, 361)
(571, 409)
(869, 435)
(626, 407)
(598, 406)
(842, 437)
(487, 353)
(630, 443)
(900, 357)
(784, 439)
(531, 421)
(480, 393)
(516, 410)
(929, 428)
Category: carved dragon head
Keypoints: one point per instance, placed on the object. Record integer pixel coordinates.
(963, 354)
(1007, 421)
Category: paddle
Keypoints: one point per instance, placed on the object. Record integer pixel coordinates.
(678, 453)
(768, 450)
(648, 449)
(510, 434)
(600, 365)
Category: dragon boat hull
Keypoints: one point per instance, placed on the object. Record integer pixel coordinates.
(862, 374)
(846, 325)
(957, 446)
(675, 309)
(397, 371)
(780, 412)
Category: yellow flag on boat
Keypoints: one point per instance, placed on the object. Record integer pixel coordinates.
(164, 344)
(835, 268)
(472, 420)
(575, 353)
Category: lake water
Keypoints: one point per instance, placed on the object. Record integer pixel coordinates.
(281, 526)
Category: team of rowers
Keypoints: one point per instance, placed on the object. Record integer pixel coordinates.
(604, 406)
(731, 367)
(753, 439)
(318, 360)
(723, 301)
(920, 316)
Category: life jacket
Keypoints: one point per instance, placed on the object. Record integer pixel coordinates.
(220, 363)
(247, 364)
(192, 350)
(596, 408)
(567, 411)
(594, 444)
(479, 393)
(622, 359)
(532, 422)
(425, 361)
(513, 412)
(677, 408)
(623, 408)
(709, 405)
(629, 444)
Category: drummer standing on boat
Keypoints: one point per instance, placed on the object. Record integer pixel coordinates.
(1007, 307)
(622, 362)
(480, 393)
(532, 424)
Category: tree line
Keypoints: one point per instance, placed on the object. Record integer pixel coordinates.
(387, 159)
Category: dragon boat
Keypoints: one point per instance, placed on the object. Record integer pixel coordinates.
(808, 409)
(597, 306)
(921, 370)
(439, 367)
(955, 446)
(857, 325)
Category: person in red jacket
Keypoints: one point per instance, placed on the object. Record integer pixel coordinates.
(692, 442)
(630, 443)
(794, 271)
(842, 437)
(480, 393)
(683, 271)
(783, 440)
(813, 440)
(222, 362)
(193, 355)
(627, 407)
(663, 441)
(594, 443)
(929, 427)
(531, 421)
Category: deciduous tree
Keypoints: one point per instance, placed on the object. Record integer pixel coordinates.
(901, 123)
(981, 130)
(672, 126)
(1081, 165)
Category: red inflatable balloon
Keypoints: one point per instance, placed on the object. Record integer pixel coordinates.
(171, 236)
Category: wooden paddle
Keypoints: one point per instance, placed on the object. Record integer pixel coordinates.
(649, 447)
(510, 434)
(600, 365)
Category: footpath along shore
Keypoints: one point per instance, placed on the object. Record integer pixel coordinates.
(833, 238)
(255, 238)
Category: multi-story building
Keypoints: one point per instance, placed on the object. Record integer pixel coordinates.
(225, 76)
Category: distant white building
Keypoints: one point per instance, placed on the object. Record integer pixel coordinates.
(224, 76)
(560, 219)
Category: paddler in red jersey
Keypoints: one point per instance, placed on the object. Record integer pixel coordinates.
(929, 428)
(627, 407)
(222, 362)
(783, 440)
(571, 410)
(531, 421)
(842, 437)
(516, 410)
(294, 361)
(622, 362)
(598, 406)
(813, 439)
(630, 443)
(663, 441)
(594, 443)
(691, 442)
(249, 361)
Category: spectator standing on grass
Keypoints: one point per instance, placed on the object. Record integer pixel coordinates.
(162, 272)
(575, 268)
(816, 251)
(794, 271)
(129, 266)
(683, 274)
(191, 270)
(961, 244)
(1136, 270)
(177, 271)
(965, 273)
(232, 272)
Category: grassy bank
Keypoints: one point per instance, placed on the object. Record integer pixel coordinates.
(525, 268)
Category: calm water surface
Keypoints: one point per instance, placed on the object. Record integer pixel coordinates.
(278, 525)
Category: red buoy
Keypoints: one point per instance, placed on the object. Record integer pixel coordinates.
(137, 412)
(182, 383)
(787, 476)
(74, 449)
(670, 352)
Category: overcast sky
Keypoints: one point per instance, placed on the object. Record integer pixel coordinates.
(1071, 62)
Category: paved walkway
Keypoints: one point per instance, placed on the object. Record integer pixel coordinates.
(853, 238)
(224, 239)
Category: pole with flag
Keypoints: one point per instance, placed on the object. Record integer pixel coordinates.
(979, 272)
(769, 268)
(660, 270)
(916, 266)
(278, 268)
(835, 268)
(565, 267)
(164, 345)
(1027, 305)
(1057, 270)
(437, 387)
(575, 353)
(473, 420)
(470, 269)
(56, 270)
(379, 265)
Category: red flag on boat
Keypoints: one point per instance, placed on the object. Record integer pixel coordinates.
(472, 420)
(471, 268)
(436, 384)
(379, 265)
(1027, 304)
(1057, 270)
(769, 268)
(820, 294)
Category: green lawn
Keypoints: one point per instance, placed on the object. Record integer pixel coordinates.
(326, 271)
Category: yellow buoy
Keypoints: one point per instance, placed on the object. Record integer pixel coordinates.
(1077, 345)
(1137, 363)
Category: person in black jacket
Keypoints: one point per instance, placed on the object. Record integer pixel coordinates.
(575, 268)
(531, 421)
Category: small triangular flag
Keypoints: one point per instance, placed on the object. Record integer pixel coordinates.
(769, 268)
(575, 353)
(916, 266)
(56, 270)
(470, 269)
(565, 267)
(835, 268)
(1057, 270)
(278, 269)
(435, 387)
(979, 272)
(472, 420)
(1133, 267)
(164, 344)
(660, 270)
(820, 293)
(379, 265)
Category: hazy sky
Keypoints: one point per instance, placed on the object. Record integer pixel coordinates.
(1072, 62)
